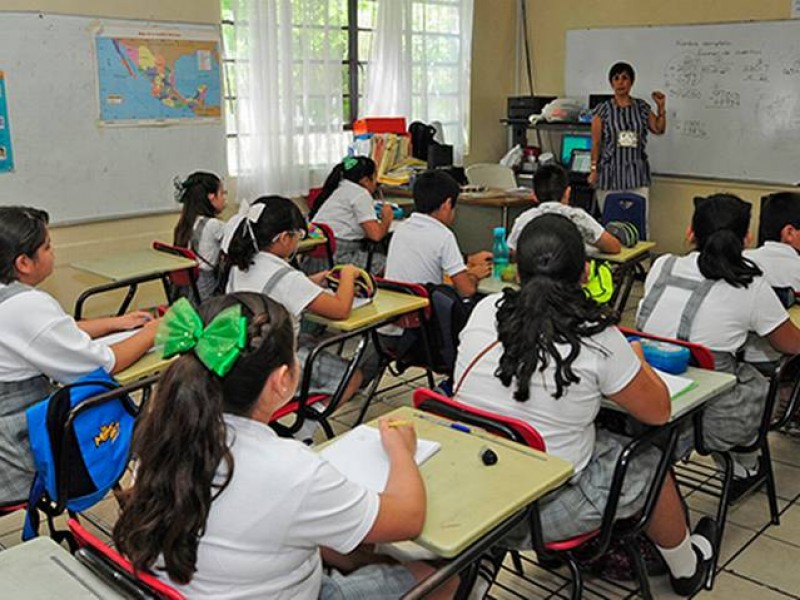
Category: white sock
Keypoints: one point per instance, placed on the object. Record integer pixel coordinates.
(745, 465)
(703, 544)
(681, 559)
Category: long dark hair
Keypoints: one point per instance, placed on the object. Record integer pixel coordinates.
(193, 194)
(550, 308)
(280, 214)
(352, 168)
(181, 439)
(22, 231)
(720, 223)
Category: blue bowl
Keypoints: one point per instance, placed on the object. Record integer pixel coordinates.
(670, 358)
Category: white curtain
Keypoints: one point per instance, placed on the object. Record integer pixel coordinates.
(420, 65)
(289, 94)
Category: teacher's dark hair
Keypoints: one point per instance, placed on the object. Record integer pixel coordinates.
(720, 223)
(22, 231)
(621, 67)
(550, 309)
(182, 443)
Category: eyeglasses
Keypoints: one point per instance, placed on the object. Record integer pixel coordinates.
(300, 233)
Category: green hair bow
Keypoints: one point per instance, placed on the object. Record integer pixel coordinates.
(217, 346)
(348, 162)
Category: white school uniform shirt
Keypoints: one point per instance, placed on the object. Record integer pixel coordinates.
(590, 229)
(605, 365)
(422, 250)
(726, 315)
(264, 530)
(37, 337)
(294, 290)
(209, 244)
(347, 207)
(781, 266)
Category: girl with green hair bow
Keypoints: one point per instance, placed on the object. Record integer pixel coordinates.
(221, 503)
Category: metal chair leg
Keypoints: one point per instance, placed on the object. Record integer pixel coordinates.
(639, 567)
(772, 491)
(577, 578)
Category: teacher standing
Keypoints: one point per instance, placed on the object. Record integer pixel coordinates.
(619, 137)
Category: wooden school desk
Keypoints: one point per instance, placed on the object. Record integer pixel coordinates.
(128, 270)
(42, 569)
(362, 323)
(471, 505)
(152, 363)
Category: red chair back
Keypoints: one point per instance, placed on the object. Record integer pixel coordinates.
(311, 199)
(510, 428)
(119, 563)
(701, 356)
(322, 251)
(411, 321)
(183, 277)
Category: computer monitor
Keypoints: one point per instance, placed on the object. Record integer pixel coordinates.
(581, 161)
(570, 142)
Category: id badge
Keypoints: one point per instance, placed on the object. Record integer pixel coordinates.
(627, 139)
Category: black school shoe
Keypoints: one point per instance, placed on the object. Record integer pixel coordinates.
(688, 586)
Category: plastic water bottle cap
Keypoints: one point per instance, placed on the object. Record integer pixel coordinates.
(499, 231)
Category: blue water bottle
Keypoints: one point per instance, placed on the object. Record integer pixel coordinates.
(500, 253)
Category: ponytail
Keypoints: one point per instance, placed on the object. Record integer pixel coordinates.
(549, 310)
(193, 195)
(352, 168)
(268, 217)
(720, 224)
(181, 439)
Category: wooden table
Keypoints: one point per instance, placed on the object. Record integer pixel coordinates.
(41, 569)
(129, 270)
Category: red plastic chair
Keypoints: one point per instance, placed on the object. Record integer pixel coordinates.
(327, 250)
(523, 433)
(116, 569)
(183, 278)
(311, 199)
(701, 356)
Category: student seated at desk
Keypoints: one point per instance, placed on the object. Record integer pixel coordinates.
(346, 205)
(265, 241)
(203, 198)
(715, 297)
(779, 260)
(40, 342)
(552, 190)
(547, 354)
(222, 507)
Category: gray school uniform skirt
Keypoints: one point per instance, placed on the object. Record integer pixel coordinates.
(373, 582)
(16, 461)
(577, 507)
(329, 368)
(352, 252)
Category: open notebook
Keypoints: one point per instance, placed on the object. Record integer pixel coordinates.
(676, 384)
(359, 456)
(119, 336)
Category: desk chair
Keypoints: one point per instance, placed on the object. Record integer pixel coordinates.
(563, 551)
(184, 280)
(491, 175)
(626, 207)
(328, 251)
(117, 570)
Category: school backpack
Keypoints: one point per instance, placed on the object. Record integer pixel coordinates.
(626, 207)
(79, 459)
(421, 139)
(450, 315)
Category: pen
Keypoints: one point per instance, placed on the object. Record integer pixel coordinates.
(400, 424)
(460, 427)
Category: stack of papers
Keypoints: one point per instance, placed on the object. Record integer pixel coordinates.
(119, 336)
(359, 456)
(676, 384)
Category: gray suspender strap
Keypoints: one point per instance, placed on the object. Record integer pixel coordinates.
(197, 234)
(12, 289)
(699, 290)
(275, 278)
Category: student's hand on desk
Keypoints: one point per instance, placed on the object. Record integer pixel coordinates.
(387, 214)
(319, 278)
(133, 320)
(348, 271)
(479, 258)
(398, 438)
(481, 270)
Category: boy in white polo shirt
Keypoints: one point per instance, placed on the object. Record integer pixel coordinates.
(424, 249)
(779, 260)
(551, 186)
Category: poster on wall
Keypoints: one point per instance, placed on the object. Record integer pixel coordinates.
(6, 154)
(155, 76)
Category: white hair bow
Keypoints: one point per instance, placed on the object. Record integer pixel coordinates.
(253, 214)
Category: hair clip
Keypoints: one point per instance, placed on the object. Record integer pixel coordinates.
(349, 162)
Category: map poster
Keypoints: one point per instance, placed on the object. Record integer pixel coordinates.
(155, 75)
(6, 154)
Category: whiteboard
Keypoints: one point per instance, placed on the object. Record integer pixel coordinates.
(66, 162)
(733, 93)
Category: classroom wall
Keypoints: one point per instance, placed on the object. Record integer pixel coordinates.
(671, 197)
(79, 242)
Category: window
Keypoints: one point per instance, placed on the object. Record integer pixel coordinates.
(356, 22)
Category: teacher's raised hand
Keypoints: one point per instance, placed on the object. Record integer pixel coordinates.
(660, 98)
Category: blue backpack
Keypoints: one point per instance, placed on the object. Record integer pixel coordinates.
(79, 459)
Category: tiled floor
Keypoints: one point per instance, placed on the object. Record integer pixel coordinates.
(758, 560)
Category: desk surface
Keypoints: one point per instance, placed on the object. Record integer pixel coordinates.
(496, 198)
(467, 499)
(626, 254)
(138, 263)
(794, 314)
(151, 363)
(708, 385)
(309, 244)
(384, 306)
(42, 569)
